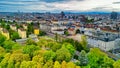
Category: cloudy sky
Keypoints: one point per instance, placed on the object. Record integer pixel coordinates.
(59, 5)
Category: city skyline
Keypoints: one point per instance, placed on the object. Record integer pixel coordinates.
(59, 5)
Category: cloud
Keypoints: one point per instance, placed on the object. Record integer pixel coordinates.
(59, 5)
(116, 2)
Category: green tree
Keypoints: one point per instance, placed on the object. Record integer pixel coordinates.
(2, 39)
(38, 59)
(30, 29)
(83, 58)
(49, 64)
(64, 64)
(17, 65)
(63, 54)
(117, 64)
(75, 43)
(70, 65)
(49, 55)
(16, 46)
(69, 47)
(30, 49)
(84, 42)
(56, 46)
(57, 65)
(66, 32)
(42, 33)
(56, 36)
(4, 62)
(30, 42)
(15, 35)
(108, 62)
(7, 27)
(96, 58)
(8, 45)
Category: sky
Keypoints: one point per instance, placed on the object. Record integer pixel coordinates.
(59, 5)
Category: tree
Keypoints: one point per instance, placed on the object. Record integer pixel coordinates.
(8, 45)
(96, 58)
(66, 32)
(2, 52)
(19, 57)
(16, 46)
(30, 29)
(70, 65)
(64, 64)
(15, 35)
(83, 58)
(7, 27)
(2, 39)
(49, 64)
(42, 33)
(77, 31)
(4, 62)
(10, 63)
(30, 49)
(17, 65)
(49, 55)
(75, 43)
(84, 42)
(38, 59)
(57, 65)
(30, 42)
(56, 36)
(56, 46)
(117, 64)
(108, 62)
(63, 54)
(29, 64)
(69, 47)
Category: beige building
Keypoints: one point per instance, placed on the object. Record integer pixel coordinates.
(22, 33)
(13, 27)
(55, 21)
(24, 26)
(1, 29)
(5, 33)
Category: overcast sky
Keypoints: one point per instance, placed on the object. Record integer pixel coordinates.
(59, 5)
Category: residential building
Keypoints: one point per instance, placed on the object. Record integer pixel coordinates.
(71, 31)
(5, 33)
(36, 31)
(13, 27)
(24, 26)
(1, 29)
(22, 33)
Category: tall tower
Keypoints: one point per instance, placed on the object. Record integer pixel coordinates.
(62, 14)
(114, 15)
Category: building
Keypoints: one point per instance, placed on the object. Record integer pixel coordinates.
(45, 27)
(114, 15)
(5, 33)
(1, 29)
(55, 21)
(71, 31)
(25, 26)
(22, 33)
(36, 30)
(13, 27)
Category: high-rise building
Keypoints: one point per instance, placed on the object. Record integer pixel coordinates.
(62, 14)
(114, 15)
